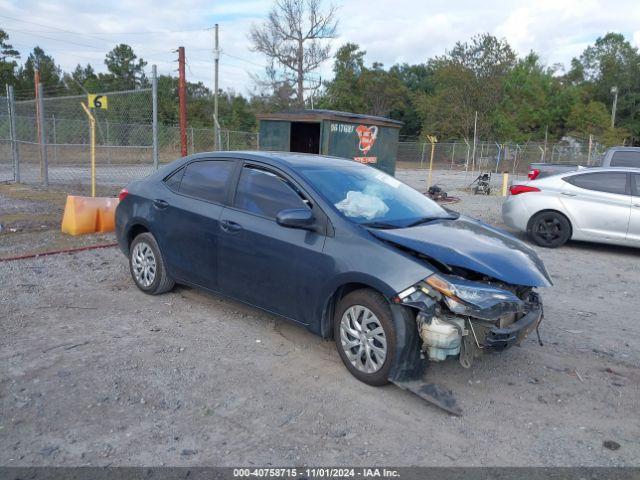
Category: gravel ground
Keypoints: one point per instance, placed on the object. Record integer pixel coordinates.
(94, 372)
(30, 219)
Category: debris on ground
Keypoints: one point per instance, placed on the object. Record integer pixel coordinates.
(611, 445)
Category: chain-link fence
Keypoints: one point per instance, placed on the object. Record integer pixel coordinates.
(496, 157)
(49, 142)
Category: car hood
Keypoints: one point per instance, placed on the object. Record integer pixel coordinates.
(468, 243)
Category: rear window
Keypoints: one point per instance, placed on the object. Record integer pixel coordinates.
(625, 159)
(207, 180)
(610, 182)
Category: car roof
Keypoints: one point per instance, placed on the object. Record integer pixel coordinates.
(288, 159)
(604, 169)
(625, 149)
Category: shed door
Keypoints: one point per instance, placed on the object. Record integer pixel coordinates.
(305, 137)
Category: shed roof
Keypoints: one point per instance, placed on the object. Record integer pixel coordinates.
(318, 115)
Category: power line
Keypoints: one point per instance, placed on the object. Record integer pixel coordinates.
(95, 34)
(148, 32)
(55, 39)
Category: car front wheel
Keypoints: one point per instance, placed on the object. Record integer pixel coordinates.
(147, 266)
(365, 336)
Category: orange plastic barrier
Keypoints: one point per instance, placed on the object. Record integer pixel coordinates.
(89, 215)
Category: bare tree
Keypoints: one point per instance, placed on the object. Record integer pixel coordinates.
(293, 38)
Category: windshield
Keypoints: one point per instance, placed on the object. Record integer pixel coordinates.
(370, 197)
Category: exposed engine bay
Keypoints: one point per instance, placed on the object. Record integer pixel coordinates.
(465, 316)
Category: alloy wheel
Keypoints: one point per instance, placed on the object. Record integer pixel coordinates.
(363, 339)
(143, 262)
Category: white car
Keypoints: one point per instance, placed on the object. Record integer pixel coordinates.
(593, 204)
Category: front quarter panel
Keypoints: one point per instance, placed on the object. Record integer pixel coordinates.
(362, 258)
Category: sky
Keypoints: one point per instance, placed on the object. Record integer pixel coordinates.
(390, 31)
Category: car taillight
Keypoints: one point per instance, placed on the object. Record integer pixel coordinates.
(533, 173)
(518, 189)
(123, 194)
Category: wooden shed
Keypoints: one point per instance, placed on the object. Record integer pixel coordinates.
(363, 138)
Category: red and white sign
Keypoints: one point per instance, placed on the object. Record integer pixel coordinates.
(366, 137)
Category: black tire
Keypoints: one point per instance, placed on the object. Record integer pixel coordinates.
(376, 304)
(161, 281)
(549, 229)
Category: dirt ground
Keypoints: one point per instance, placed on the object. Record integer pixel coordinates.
(94, 372)
(30, 219)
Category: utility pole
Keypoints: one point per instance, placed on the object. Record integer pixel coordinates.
(154, 114)
(36, 83)
(614, 92)
(475, 142)
(216, 61)
(546, 137)
(182, 98)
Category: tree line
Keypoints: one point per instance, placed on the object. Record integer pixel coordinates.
(517, 99)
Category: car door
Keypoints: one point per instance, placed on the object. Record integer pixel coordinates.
(187, 216)
(263, 263)
(599, 204)
(633, 234)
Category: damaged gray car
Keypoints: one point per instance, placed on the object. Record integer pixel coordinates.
(340, 248)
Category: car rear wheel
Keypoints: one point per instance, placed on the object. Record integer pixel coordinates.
(365, 336)
(549, 229)
(147, 266)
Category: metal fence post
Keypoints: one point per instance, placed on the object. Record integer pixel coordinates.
(13, 135)
(107, 142)
(44, 164)
(453, 152)
(154, 115)
(55, 139)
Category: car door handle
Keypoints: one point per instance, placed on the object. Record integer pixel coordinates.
(230, 227)
(636, 204)
(569, 194)
(160, 204)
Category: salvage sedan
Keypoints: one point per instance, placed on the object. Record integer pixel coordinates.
(338, 247)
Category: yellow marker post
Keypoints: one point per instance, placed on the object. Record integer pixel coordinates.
(505, 183)
(92, 123)
(433, 140)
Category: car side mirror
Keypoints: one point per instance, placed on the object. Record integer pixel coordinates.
(296, 218)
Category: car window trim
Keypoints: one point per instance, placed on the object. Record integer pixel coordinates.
(627, 185)
(232, 178)
(321, 216)
(182, 167)
(634, 181)
(271, 171)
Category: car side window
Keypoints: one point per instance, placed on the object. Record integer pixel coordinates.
(173, 180)
(207, 180)
(265, 193)
(636, 181)
(625, 159)
(610, 182)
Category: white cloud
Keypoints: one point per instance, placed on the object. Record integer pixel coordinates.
(389, 30)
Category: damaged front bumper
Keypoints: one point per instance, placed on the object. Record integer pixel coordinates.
(457, 317)
(499, 339)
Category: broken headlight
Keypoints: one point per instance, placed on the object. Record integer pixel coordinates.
(466, 297)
